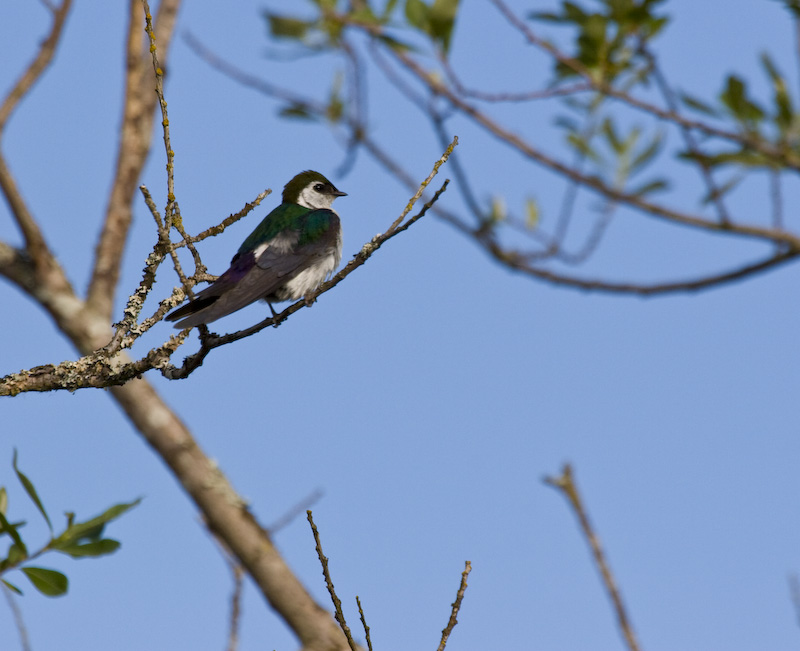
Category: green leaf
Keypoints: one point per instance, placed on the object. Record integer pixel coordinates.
(532, 214)
(11, 586)
(723, 189)
(3, 500)
(30, 490)
(793, 6)
(297, 111)
(784, 111)
(16, 554)
(442, 18)
(657, 185)
(498, 212)
(388, 10)
(546, 17)
(91, 529)
(97, 548)
(698, 105)
(335, 108)
(395, 44)
(417, 14)
(326, 4)
(48, 582)
(11, 530)
(580, 144)
(735, 99)
(647, 154)
(611, 135)
(287, 27)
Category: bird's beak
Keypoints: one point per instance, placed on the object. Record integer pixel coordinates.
(339, 193)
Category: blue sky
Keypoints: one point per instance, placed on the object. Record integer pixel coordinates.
(429, 394)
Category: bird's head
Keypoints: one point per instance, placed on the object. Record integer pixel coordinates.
(311, 190)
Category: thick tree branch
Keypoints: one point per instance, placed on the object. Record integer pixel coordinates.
(228, 517)
(102, 366)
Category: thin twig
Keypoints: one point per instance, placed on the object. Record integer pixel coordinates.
(565, 484)
(18, 620)
(776, 195)
(337, 603)
(364, 623)
(159, 74)
(36, 67)
(303, 505)
(236, 603)
(35, 243)
(424, 185)
(136, 133)
(456, 606)
(794, 594)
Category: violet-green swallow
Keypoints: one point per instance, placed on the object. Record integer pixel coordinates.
(295, 248)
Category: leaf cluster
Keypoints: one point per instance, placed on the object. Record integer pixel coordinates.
(77, 540)
(607, 42)
(775, 121)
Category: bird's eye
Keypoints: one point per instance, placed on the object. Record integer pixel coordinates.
(319, 187)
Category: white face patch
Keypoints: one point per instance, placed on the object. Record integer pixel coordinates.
(314, 199)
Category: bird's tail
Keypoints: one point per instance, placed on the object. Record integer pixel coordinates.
(195, 311)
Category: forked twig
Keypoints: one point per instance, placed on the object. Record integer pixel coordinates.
(337, 603)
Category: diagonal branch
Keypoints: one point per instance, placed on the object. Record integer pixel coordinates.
(565, 484)
(37, 67)
(46, 267)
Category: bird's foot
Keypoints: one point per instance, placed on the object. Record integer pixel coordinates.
(309, 300)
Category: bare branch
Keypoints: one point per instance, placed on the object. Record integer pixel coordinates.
(19, 622)
(794, 594)
(337, 603)
(236, 605)
(37, 67)
(364, 623)
(451, 624)
(46, 267)
(304, 505)
(159, 76)
(565, 484)
(516, 260)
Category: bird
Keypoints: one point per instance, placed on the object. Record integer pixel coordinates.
(294, 248)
